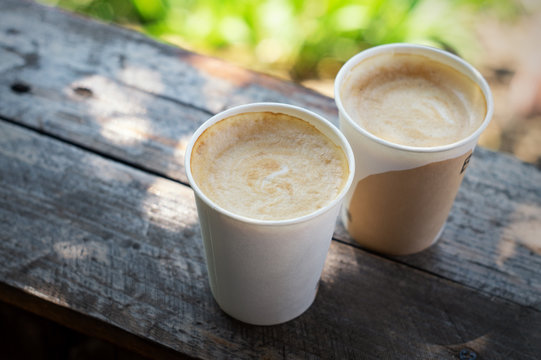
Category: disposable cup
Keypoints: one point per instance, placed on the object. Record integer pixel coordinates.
(401, 195)
(266, 272)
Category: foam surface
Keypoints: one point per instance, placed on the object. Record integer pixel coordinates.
(268, 166)
(412, 100)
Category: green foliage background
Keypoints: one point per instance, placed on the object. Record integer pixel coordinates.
(299, 39)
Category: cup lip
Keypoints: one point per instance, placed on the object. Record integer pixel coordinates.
(275, 107)
(456, 62)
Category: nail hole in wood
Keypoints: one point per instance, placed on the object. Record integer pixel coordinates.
(12, 31)
(82, 91)
(20, 88)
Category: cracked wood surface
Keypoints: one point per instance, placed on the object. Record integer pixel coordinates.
(98, 231)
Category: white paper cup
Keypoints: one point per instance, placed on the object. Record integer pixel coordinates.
(266, 272)
(398, 218)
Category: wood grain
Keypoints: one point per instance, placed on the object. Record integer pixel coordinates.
(119, 94)
(122, 247)
(94, 218)
(117, 91)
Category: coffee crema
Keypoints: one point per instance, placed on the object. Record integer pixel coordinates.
(410, 99)
(268, 166)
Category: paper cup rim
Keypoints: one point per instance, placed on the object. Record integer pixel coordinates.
(436, 54)
(287, 109)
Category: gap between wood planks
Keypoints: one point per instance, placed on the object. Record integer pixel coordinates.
(93, 151)
(164, 176)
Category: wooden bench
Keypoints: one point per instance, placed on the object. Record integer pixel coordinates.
(99, 231)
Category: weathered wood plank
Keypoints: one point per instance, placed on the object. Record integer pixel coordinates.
(123, 247)
(59, 94)
(117, 91)
(122, 95)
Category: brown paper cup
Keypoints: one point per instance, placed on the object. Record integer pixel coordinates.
(401, 195)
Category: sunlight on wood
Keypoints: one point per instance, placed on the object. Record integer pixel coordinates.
(524, 230)
(106, 96)
(122, 117)
(173, 203)
(40, 294)
(142, 77)
(127, 130)
(182, 143)
(73, 251)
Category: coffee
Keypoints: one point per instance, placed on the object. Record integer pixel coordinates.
(268, 166)
(412, 115)
(269, 180)
(410, 99)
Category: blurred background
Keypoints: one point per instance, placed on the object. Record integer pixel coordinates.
(307, 42)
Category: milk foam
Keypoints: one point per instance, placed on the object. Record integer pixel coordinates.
(268, 166)
(412, 100)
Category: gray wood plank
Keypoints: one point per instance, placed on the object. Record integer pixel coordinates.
(117, 93)
(139, 101)
(123, 247)
(67, 96)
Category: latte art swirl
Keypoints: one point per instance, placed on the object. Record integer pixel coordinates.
(268, 166)
(412, 100)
